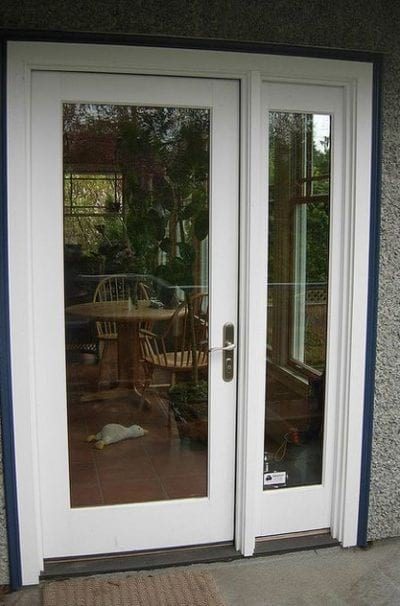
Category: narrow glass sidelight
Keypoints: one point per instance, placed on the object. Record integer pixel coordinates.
(136, 222)
(298, 261)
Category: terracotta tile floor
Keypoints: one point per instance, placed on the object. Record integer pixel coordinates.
(157, 466)
(285, 412)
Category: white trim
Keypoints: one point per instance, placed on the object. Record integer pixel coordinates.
(251, 375)
(340, 364)
(356, 222)
(22, 328)
(250, 69)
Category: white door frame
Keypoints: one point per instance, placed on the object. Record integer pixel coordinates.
(251, 70)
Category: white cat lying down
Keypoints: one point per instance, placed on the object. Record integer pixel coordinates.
(113, 432)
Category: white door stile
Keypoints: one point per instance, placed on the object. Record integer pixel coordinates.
(252, 322)
(21, 319)
(339, 300)
(356, 82)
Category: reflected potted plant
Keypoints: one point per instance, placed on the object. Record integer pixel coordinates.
(189, 403)
(165, 162)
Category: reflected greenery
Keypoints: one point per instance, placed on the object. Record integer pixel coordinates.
(151, 213)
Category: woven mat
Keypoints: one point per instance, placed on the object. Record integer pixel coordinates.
(177, 588)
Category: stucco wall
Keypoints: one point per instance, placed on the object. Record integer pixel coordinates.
(364, 25)
(3, 529)
(384, 517)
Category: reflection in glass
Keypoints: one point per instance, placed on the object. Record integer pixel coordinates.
(299, 196)
(136, 295)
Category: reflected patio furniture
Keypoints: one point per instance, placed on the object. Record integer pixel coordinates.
(200, 306)
(127, 318)
(118, 287)
(180, 344)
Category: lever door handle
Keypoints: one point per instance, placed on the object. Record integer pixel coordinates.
(227, 347)
(228, 366)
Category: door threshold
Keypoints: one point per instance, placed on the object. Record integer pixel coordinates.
(138, 560)
(180, 556)
(295, 541)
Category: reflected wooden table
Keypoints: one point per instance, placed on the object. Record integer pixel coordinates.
(128, 319)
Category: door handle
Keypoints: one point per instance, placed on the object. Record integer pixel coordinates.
(228, 347)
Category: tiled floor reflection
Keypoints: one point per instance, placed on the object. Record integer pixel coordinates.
(157, 466)
(300, 420)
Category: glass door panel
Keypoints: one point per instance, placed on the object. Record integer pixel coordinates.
(136, 219)
(298, 260)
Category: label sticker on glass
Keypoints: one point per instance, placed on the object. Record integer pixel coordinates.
(275, 479)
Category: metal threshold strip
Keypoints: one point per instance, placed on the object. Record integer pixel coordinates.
(181, 556)
(296, 541)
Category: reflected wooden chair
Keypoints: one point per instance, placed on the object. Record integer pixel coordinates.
(182, 342)
(117, 287)
(200, 306)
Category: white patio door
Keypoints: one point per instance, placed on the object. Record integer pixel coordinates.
(305, 153)
(134, 177)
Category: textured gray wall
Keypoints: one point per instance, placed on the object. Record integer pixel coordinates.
(362, 25)
(3, 529)
(384, 517)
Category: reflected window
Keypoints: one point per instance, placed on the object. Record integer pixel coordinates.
(298, 261)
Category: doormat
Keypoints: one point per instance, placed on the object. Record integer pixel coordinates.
(180, 588)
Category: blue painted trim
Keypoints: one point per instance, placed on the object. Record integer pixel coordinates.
(372, 312)
(10, 485)
(236, 46)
